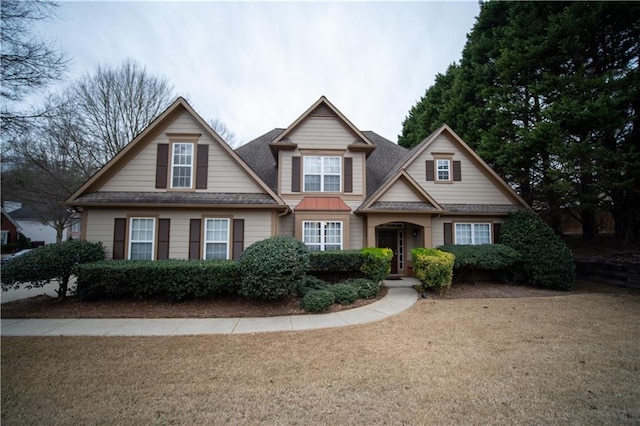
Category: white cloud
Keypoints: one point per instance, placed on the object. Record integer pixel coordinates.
(257, 66)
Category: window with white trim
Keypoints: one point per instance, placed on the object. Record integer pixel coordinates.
(473, 233)
(216, 239)
(182, 165)
(443, 169)
(5, 237)
(322, 174)
(322, 236)
(141, 238)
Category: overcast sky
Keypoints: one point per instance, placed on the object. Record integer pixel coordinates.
(257, 66)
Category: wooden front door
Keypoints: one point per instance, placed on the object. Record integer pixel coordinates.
(388, 238)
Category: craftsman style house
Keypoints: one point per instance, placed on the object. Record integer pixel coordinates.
(179, 191)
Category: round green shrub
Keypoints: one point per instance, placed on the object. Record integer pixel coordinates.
(367, 289)
(318, 300)
(273, 268)
(345, 293)
(547, 260)
(309, 282)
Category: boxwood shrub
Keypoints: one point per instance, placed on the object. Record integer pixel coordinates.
(547, 261)
(502, 261)
(309, 282)
(377, 263)
(273, 268)
(345, 294)
(433, 267)
(367, 289)
(172, 279)
(317, 300)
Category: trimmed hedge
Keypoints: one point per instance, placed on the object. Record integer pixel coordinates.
(172, 279)
(273, 268)
(502, 260)
(433, 267)
(547, 261)
(317, 300)
(372, 263)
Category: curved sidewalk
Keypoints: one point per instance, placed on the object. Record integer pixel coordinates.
(400, 297)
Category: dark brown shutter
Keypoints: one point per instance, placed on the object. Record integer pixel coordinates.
(457, 173)
(162, 165)
(202, 168)
(295, 174)
(119, 237)
(496, 232)
(448, 234)
(238, 238)
(348, 174)
(194, 238)
(429, 169)
(163, 239)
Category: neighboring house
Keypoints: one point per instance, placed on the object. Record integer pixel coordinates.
(38, 231)
(179, 191)
(10, 229)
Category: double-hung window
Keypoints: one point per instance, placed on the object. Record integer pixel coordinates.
(443, 169)
(141, 238)
(322, 174)
(5, 237)
(182, 165)
(473, 233)
(216, 239)
(321, 236)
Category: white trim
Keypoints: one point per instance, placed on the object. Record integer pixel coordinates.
(323, 228)
(173, 165)
(322, 172)
(206, 241)
(473, 232)
(142, 241)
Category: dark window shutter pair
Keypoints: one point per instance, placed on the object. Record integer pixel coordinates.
(120, 237)
(347, 183)
(457, 172)
(162, 165)
(195, 227)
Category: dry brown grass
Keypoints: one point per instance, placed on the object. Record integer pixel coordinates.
(570, 359)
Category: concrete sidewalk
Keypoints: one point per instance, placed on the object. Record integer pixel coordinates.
(400, 297)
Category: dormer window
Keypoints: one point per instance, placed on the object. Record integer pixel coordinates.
(322, 174)
(443, 169)
(182, 165)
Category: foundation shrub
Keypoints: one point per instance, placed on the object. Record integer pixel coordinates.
(433, 267)
(367, 289)
(547, 261)
(318, 300)
(174, 280)
(273, 268)
(345, 294)
(309, 282)
(376, 263)
(502, 261)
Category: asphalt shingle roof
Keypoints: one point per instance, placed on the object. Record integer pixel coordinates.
(257, 155)
(197, 198)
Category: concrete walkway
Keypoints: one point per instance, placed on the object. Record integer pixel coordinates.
(400, 297)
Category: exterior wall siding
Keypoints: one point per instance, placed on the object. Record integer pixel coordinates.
(475, 187)
(401, 191)
(100, 222)
(225, 175)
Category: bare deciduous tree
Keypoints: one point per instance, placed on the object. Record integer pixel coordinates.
(28, 62)
(223, 131)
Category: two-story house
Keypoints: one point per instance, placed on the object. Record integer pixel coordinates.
(179, 191)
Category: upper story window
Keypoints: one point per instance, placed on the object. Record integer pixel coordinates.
(182, 165)
(443, 169)
(473, 233)
(322, 174)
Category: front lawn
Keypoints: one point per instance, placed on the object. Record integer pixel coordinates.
(569, 359)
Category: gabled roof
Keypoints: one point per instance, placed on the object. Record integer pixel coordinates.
(429, 204)
(323, 106)
(11, 220)
(409, 156)
(257, 155)
(179, 106)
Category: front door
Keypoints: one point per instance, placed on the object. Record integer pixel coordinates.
(388, 238)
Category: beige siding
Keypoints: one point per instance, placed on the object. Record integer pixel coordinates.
(475, 187)
(286, 225)
(357, 232)
(401, 190)
(322, 133)
(139, 174)
(257, 225)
